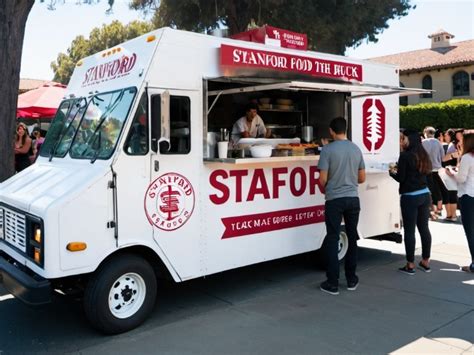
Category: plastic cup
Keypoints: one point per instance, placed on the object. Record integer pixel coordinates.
(222, 148)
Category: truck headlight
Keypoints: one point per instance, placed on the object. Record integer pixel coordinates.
(37, 234)
(36, 245)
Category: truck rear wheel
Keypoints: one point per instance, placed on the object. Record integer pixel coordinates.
(320, 256)
(342, 246)
(121, 294)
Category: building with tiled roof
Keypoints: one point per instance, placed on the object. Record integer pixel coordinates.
(447, 68)
(30, 84)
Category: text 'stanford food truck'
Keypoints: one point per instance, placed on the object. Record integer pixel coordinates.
(128, 187)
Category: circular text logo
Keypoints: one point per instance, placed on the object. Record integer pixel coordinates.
(169, 201)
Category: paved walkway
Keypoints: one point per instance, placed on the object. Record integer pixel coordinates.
(277, 308)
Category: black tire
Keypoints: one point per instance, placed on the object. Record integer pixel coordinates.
(320, 254)
(96, 297)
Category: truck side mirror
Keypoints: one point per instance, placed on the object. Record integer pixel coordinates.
(164, 141)
(160, 128)
(154, 145)
(165, 146)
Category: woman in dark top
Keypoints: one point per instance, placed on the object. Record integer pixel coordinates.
(413, 167)
(22, 148)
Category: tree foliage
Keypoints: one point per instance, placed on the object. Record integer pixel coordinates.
(99, 39)
(331, 25)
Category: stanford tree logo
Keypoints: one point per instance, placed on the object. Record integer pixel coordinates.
(373, 125)
(169, 201)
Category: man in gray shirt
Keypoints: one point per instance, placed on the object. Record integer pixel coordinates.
(435, 151)
(341, 168)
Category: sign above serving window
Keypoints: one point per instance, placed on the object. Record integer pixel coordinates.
(239, 57)
(274, 36)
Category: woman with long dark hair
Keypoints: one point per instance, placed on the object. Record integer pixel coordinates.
(465, 179)
(414, 165)
(22, 148)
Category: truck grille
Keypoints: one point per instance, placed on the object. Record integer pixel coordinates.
(14, 227)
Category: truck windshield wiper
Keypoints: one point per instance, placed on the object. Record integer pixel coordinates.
(61, 136)
(97, 151)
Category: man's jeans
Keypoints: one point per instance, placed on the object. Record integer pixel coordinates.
(349, 208)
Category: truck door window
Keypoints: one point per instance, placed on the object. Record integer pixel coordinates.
(180, 123)
(137, 140)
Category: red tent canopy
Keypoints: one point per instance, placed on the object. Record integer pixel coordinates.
(41, 102)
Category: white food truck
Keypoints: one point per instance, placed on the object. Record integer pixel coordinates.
(128, 188)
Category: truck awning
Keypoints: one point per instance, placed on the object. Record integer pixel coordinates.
(357, 90)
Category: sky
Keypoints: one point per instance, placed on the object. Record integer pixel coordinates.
(50, 32)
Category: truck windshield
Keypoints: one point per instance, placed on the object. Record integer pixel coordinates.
(101, 125)
(63, 128)
(89, 129)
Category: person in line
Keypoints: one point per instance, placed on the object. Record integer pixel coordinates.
(451, 149)
(439, 135)
(413, 167)
(36, 143)
(436, 186)
(459, 138)
(451, 159)
(341, 168)
(402, 139)
(250, 126)
(465, 179)
(22, 148)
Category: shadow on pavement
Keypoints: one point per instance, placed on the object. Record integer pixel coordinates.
(274, 307)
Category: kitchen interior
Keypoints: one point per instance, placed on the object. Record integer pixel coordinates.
(299, 118)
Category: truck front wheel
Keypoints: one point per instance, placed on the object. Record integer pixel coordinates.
(121, 294)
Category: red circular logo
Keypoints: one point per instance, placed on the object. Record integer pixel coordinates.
(169, 201)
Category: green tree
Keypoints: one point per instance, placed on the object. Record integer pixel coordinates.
(331, 25)
(99, 39)
(13, 15)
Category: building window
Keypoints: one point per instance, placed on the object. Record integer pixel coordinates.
(403, 100)
(427, 83)
(461, 84)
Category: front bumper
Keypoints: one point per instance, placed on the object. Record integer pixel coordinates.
(32, 290)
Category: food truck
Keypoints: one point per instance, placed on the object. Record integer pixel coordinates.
(129, 188)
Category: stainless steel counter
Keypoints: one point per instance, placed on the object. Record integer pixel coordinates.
(240, 161)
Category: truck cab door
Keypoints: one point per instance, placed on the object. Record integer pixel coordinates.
(171, 200)
(132, 172)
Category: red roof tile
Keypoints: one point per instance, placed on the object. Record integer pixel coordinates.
(460, 53)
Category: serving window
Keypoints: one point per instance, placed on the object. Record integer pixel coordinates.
(287, 113)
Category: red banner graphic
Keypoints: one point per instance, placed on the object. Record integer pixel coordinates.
(252, 58)
(287, 39)
(271, 221)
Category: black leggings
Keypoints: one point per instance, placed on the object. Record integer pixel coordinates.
(467, 216)
(416, 212)
(437, 188)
